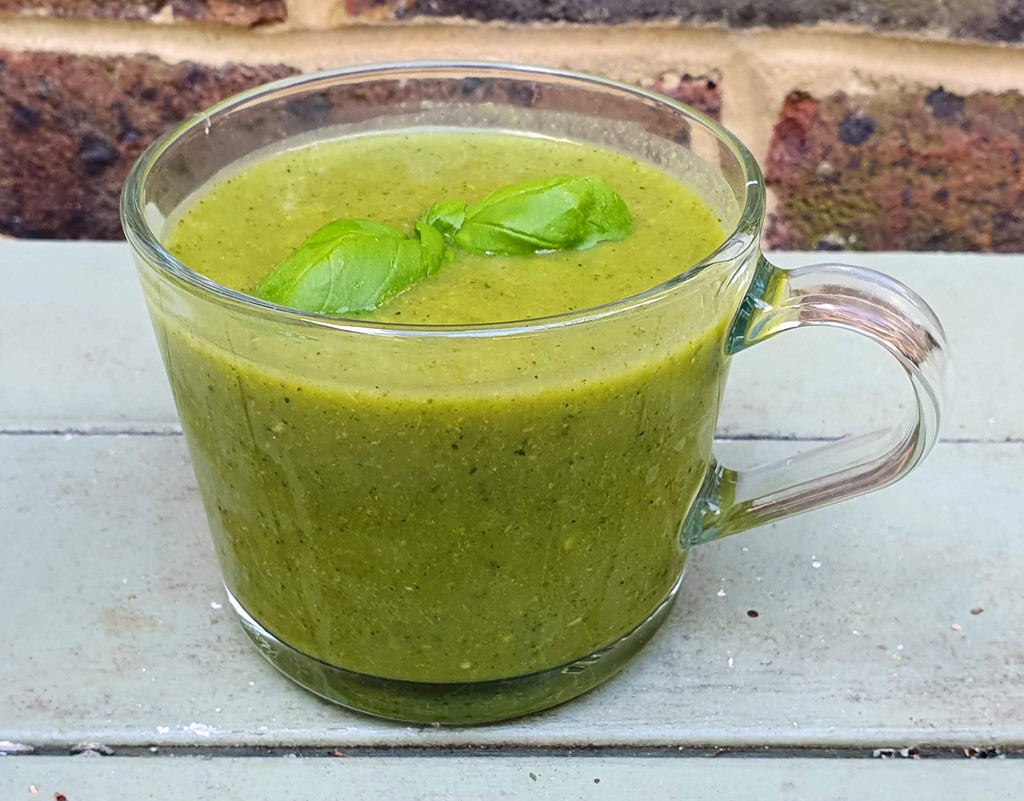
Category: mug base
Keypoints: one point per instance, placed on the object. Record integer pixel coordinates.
(456, 703)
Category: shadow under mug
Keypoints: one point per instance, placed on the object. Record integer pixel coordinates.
(465, 524)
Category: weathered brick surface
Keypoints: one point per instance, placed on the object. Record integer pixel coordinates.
(1001, 20)
(243, 13)
(71, 126)
(702, 92)
(922, 169)
(1004, 22)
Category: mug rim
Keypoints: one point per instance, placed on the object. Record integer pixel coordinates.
(742, 238)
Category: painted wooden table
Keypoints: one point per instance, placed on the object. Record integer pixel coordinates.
(890, 626)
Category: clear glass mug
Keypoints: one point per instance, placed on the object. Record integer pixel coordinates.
(465, 524)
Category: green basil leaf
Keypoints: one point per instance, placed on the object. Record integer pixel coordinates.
(350, 266)
(563, 213)
(446, 216)
(435, 247)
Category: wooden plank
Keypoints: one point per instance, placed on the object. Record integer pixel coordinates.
(76, 348)
(116, 628)
(79, 304)
(487, 778)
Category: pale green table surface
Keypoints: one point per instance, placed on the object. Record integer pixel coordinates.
(115, 630)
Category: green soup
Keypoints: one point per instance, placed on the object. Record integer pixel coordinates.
(445, 518)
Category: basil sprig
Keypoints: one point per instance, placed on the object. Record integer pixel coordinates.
(553, 214)
(350, 266)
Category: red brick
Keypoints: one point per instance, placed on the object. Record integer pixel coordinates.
(71, 126)
(242, 13)
(914, 169)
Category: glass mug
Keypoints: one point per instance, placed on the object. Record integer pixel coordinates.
(459, 524)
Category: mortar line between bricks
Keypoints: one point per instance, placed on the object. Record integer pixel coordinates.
(744, 111)
(811, 57)
(361, 43)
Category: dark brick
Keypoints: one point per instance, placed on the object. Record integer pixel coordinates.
(945, 105)
(96, 154)
(1001, 20)
(937, 172)
(315, 109)
(702, 92)
(1005, 23)
(856, 130)
(242, 13)
(23, 118)
(71, 127)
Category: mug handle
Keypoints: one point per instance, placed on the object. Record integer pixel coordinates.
(856, 299)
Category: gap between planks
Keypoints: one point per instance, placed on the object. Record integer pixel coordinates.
(966, 752)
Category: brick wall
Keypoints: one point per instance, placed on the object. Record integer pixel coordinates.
(881, 124)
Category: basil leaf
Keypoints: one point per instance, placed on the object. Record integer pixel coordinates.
(446, 216)
(563, 213)
(436, 250)
(351, 266)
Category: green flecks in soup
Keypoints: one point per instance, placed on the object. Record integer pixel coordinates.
(240, 228)
(438, 510)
